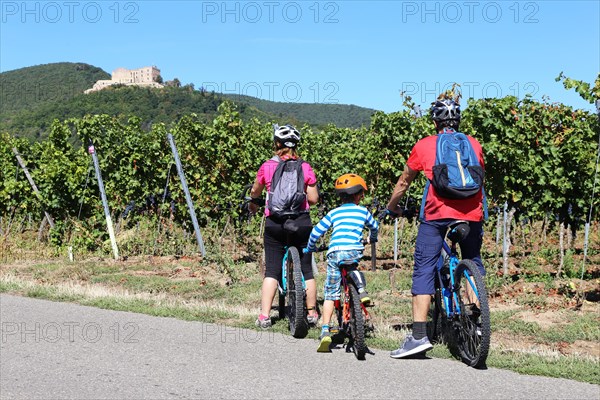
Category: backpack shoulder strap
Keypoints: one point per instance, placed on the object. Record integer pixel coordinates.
(473, 160)
(300, 173)
(485, 205)
(438, 148)
(278, 171)
(422, 210)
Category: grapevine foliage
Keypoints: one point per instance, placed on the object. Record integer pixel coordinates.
(539, 158)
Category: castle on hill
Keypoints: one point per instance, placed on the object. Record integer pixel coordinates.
(145, 76)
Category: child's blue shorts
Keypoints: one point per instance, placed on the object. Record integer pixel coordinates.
(334, 276)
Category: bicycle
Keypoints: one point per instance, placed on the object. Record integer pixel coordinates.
(291, 287)
(460, 314)
(354, 320)
(292, 294)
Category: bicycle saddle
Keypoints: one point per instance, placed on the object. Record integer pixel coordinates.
(458, 231)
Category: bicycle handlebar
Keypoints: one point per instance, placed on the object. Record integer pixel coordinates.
(406, 212)
(259, 201)
(243, 206)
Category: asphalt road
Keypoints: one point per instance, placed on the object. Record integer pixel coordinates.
(54, 350)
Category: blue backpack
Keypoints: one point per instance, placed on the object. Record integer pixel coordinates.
(457, 173)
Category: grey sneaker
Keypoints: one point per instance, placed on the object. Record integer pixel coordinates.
(313, 319)
(263, 323)
(411, 346)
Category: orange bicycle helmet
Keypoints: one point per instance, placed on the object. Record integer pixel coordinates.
(350, 184)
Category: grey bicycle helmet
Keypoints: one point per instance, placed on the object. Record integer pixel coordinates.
(445, 110)
(286, 135)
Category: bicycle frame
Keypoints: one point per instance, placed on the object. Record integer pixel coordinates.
(346, 306)
(449, 258)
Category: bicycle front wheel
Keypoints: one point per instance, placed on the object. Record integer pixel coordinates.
(295, 295)
(473, 329)
(357, 324)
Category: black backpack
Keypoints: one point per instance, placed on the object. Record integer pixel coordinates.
(286, 197)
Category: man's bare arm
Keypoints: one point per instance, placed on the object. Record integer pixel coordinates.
(408, 175)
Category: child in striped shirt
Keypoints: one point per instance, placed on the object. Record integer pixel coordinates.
(345, 247)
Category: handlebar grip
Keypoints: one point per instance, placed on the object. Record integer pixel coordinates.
(390, 213)
(259, 201)
(405, 212)
(319, 249)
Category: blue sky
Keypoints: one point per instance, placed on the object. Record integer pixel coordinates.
(349, 52)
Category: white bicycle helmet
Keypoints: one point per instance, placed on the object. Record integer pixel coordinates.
(286, 135)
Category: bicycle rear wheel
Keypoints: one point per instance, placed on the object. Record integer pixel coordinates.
(357, 324)
(296, 301)
(473, 329)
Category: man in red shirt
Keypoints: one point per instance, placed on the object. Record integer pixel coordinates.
(438, 213)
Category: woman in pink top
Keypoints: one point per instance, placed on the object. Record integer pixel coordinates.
(276, 239)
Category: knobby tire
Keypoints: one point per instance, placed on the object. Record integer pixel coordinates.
(296, 296)
(357, 324)
(473, 347)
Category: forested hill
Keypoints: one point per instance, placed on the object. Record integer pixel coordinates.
(33, 97)
(150, 105)
(341, 115)
(49, 83)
